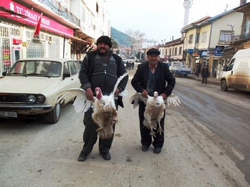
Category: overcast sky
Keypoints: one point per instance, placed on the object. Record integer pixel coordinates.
(161, 19)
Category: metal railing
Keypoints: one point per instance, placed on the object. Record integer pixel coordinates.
(60, 10)
(245, 36)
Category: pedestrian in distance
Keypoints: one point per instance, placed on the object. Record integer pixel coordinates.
(100, 68)
(152, 76)
(204, 74)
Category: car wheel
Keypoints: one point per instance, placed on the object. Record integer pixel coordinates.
(54, 115)
(223, 85)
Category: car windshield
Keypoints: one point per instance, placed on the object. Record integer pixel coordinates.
(36, 68)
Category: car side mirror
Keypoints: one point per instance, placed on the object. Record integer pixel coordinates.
(4, 73)
(66, 75)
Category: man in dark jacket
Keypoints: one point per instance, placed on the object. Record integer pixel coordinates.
(101, 69)
(204, 74)
(152, 76)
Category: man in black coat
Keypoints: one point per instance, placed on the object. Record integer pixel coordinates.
(152, 76)
(204, 74)
(101, 69)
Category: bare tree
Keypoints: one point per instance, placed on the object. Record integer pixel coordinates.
(136, 38)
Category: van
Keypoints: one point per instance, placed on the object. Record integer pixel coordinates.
(236, 74)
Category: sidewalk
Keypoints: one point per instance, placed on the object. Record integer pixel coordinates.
(210, 80)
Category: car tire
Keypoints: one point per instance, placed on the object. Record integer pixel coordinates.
(223, 85)
(54, 115)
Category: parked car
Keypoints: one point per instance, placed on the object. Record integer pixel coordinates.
(32, 87)
(237, 73)
(177, 68)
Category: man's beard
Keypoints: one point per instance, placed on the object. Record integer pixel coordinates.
(102, 53)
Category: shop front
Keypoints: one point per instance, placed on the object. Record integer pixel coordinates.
(17, 27)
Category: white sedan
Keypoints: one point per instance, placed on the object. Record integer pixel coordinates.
(32, 87)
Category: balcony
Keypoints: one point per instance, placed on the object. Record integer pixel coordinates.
(241, 37)
(60, 10)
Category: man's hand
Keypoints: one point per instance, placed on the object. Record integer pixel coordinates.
(144, 93)
(89, 94)
(117, 91)
(163, 96)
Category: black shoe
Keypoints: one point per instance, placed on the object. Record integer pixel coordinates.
(82, 157)
(157, 150)
(106, 156)
(144, 148)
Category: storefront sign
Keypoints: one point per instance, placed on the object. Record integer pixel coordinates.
(219, 50)
(204, 53)
(195, 53)
(16, 41)
(190, 51)
(33, 17)
(24, 44)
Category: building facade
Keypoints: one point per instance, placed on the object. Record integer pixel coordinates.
(62, 33)
(203, 38)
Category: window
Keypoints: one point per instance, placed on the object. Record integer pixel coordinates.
(180, 50)
(175, 51)
(72, 68)
(204, 37)
(225, 36)
(66, 68)
(230, 65)
(190, 38)
(246, 27)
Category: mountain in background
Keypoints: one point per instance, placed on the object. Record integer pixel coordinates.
(120, 37)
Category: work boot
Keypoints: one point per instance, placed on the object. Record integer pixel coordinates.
(105, 155)
(157, 150)
(82, 157)
(144, 148)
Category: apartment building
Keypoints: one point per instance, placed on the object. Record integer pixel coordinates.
(68, 28)
(202, 39)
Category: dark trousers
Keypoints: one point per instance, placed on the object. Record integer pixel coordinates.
(90, 135)
(204, 79)
(146, 138)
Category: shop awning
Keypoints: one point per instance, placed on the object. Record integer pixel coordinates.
(5, 12)
(79, 40)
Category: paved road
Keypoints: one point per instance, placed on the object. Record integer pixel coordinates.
(36, 154)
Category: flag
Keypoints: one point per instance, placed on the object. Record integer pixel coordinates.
(36, 33)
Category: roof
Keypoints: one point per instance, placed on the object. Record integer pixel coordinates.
(214, 18)
(205, 21)
(243, 8)
(193, 24)
(174, 42)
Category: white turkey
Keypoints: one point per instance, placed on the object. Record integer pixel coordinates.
(154, 110)
(104, 109)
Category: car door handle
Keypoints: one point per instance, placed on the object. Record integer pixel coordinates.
(232, 72)
(72, 79)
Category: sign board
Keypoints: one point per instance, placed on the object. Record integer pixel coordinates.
(190, 51)
(33, 17)
(204, 53)
(219, 50)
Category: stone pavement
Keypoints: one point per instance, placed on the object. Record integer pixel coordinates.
(210, 80)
